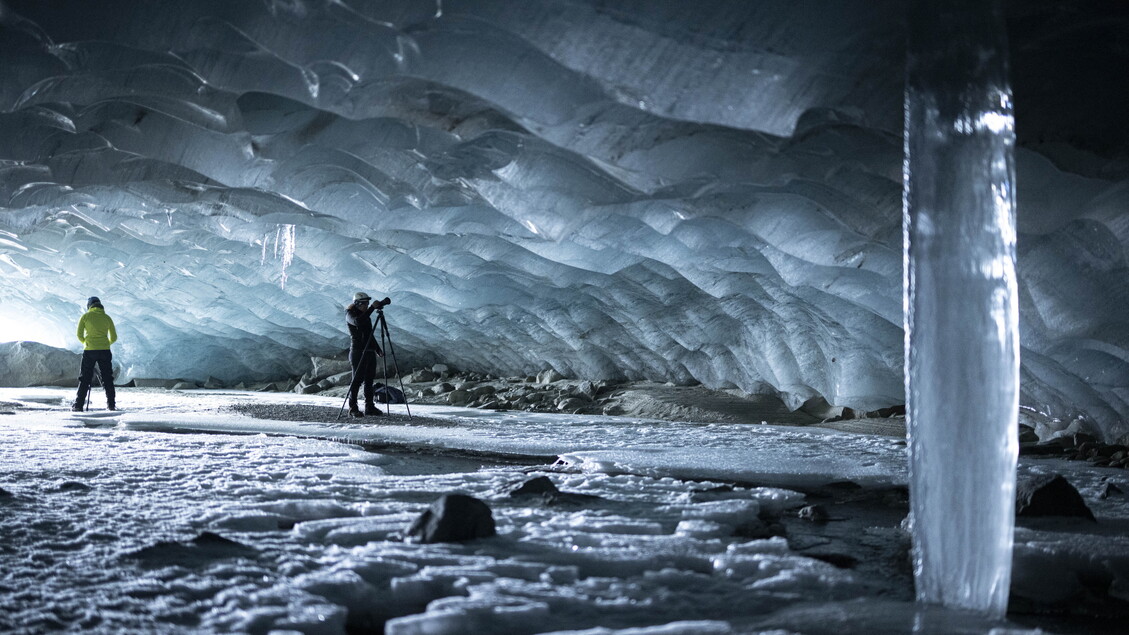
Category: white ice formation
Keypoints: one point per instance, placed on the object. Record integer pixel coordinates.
(961, 316)
(631, 189)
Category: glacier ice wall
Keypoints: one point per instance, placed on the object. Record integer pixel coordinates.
(632, 189)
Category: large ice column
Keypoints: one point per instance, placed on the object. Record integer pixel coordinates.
(961, 311)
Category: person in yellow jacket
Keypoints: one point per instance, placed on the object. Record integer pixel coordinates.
(96, 332)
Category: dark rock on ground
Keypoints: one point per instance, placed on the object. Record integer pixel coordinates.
(892, 411)
(74, 486)
(814, 513)
(843, 486)
(209, 540)
(1050, 495)
(546, 492)
(5, 494)
(200, 550)
(453, 518)
(539, 486)
(1077, 439)
(1109, 489)
(1080, 447)
(838, 560)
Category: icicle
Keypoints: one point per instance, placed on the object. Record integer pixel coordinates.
(285, 242)
(961, 312)
(289, 242)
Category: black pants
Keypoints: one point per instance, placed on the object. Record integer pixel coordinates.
(364, 371)
(106, 372)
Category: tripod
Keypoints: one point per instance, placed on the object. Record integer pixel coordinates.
(96, 374)
(385, 344)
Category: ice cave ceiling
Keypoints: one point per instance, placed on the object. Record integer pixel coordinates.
(678, 191)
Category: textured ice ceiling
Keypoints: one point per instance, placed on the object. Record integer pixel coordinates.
(676, 191)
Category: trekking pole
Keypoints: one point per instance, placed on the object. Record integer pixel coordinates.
(392, 349)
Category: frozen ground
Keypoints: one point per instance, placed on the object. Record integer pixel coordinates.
(104, 517)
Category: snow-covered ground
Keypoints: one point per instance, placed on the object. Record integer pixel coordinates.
(103, 513)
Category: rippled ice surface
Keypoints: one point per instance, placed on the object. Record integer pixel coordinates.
(321, 518)
(102, 527)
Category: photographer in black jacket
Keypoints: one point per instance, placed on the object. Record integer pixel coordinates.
(363, 350)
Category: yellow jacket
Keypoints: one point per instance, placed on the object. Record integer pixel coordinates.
(96, 330)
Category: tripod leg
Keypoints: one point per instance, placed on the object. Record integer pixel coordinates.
(384, 360)
(93, 375)
(354, 383)
(392, 350)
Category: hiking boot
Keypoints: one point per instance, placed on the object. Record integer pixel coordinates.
(76, 406)
(373, 411)
(111, 406)
(355, 412)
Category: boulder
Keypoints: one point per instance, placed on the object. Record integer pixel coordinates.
(303, 386)
(440, 388)
(483, 390)
(340, 379)
(548, 376)
(587, 389)
(439, 369)
(35, 364)
(540, 486)
(422, 375)
(193, 553)
(814, 513)
(542, 490)
(818, 407)
(1050, 495)
(325, 366)
(571, 404)
(453, 518)
(458, 398)
(73, 486)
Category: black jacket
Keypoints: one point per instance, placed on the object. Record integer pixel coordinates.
(360, 328)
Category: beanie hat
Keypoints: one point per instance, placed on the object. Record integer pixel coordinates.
(360, 295)
(93, 301)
